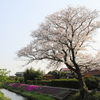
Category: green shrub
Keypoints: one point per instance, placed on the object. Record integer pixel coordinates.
(20, 79)
(45, 82)
(90, 96)
(38, 82)
(92, 82)
(29, 82)
(12, 81)
(68, 83)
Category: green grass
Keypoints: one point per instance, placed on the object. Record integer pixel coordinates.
(37, 96)
(2, 97)
(30, 95)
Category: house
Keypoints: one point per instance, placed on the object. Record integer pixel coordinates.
(64, 70)
(68, 72)
(48, 76)
(19, 74)
(95, 72)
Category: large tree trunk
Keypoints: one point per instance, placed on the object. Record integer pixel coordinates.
(83, 89)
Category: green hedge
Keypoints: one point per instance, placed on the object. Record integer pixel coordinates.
(37, 82)
(92, 82)
(44, 82)
(67, 83)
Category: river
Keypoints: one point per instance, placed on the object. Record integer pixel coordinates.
(12, 95)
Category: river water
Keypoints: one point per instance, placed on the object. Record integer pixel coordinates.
(12, 95)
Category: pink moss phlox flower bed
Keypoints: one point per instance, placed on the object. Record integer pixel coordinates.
(60, 93)
(32, 87)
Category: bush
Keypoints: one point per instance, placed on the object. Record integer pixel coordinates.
(29, 82)
(20, 79)
(44, 82)
(90, 96)
(67, 83)
(92, 82)
(38, 82)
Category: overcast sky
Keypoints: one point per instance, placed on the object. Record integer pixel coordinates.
(18, 18)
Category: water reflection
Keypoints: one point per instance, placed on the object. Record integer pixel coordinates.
(12, 95)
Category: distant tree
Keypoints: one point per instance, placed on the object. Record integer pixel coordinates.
(63, 38)
(3, 75)
(31, 74)
(4, 72)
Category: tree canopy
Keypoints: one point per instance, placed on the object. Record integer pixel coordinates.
(3, 75)
(62, 39)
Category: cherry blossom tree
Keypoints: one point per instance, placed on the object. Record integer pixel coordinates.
(63, 38)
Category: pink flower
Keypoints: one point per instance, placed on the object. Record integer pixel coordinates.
(32, 87)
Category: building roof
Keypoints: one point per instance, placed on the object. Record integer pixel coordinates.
(64, 69)
(48, 75)
(19, 73)
(92, 72)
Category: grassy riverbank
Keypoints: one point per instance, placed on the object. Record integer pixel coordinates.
(30, 95)
(2, 97)
(92, 95)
